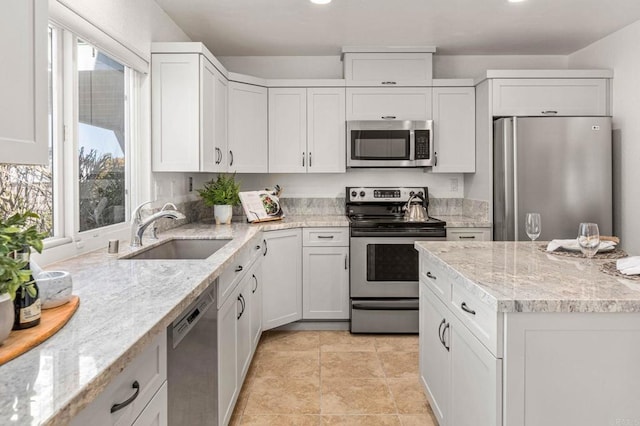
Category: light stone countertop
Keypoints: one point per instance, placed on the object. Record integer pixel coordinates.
(124, 304)
(518, 277)
(460, 221)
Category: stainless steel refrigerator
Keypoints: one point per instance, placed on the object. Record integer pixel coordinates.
(559, 167)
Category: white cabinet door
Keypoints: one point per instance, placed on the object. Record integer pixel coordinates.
(247, 151)
(208, 154)
(468, 234)
(221, 107)
(476, 381)
(409, 103)
(24, 136)
(384, 69)
(434, 361)
(155, 413)
(454, 122)
(175, 112)
(288, 130)
(228, 386)
(244, 327)
(550, 97)
(256, 303)
(325, 282)
(282, 278)
(326, 133)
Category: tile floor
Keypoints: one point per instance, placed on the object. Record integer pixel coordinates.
(333, 378)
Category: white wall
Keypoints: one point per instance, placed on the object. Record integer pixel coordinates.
(465, 66)
(619, 51)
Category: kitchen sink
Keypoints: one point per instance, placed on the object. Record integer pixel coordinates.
(180, 249)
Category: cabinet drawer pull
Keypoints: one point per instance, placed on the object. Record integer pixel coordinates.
(467, 309)
(256, 287)
(388, 82)
(326, 237)
(444, 343)
(440, 331)
(549, 112)
(120, 406)
(430, 275)
(258, 247)
(467, 237)
(239, 268)
(388, 117)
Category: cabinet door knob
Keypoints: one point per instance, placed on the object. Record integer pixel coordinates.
(467, 309)
(120, 406)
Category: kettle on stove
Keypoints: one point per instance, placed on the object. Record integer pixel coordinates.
(415, 210)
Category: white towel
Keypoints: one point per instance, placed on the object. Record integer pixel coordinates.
(629, 265)
(574, 246)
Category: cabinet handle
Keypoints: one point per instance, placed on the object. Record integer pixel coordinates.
(217, 155)
(440, 331)
(444, 343)
(239, 268)
(549, 112)
(120, 406)
(388, 82)
(326, 237)
(241, 300)
(346, 262)
(231, 160)
(467, 237)
(258, 247)
(303, 159)
(264, 243)
(388, 117)
(430, 275)
(256, 287)
(435, 159)
(467, 309)
(309, 159)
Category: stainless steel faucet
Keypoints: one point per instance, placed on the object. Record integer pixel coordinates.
(138, 225)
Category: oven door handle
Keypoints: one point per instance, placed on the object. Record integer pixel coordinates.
(383, 307)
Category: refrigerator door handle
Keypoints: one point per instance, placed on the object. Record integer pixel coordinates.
(514, 174)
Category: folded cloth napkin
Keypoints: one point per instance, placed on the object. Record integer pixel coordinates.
(629, 265)
(574, 246)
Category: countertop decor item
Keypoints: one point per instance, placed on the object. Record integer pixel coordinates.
(615, 253)
(20, 341)
(262, 206)
(610, 268)
(55, 288)
(221, 193)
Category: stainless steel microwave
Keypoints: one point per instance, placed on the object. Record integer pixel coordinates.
(392, 143)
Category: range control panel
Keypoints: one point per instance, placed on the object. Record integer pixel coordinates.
(382, 194)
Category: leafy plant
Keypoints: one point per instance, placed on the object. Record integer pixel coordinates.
(222, 191)
(16, 235)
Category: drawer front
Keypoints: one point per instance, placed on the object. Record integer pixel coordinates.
(436, 279)
(479, 318)
(232, 274)
(325, 237)
(468, 234)
(149, 370)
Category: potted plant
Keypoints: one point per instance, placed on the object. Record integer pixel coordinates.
(15, 236)
(221, 193)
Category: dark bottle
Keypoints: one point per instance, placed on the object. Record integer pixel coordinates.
(27, 307)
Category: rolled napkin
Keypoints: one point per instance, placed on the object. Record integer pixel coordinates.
(629, 265)
(574, 246)
(55, 288)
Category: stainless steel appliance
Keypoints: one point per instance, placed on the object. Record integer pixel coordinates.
(384, 263)
(192, 359)
(559, 167)
(390, 143)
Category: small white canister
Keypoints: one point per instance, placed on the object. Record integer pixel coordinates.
(55, 288)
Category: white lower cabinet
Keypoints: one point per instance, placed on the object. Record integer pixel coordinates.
(245, 339)
(132, 391)
(469, 234)
(256, 303)
(228, 386)
(325, 273)
(282, 277)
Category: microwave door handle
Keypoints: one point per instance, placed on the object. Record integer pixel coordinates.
(412, 145)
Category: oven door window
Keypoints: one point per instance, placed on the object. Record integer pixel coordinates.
(380, 144)
(392, 262)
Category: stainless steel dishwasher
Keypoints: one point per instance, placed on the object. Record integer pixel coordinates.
(192, 363)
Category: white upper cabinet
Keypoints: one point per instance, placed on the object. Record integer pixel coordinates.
(247, 152)
(188, 114)
(23, 82)
(454, 129)
(388, 69)
(550, 97)
(384, 103)
(307, 130)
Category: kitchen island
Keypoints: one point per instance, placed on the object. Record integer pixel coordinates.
(511, 335)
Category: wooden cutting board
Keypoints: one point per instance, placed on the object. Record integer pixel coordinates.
(52, 320)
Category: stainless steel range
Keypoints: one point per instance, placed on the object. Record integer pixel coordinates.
(384, 262)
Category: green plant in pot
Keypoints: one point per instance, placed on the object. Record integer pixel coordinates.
(222, 193)
(17, 238)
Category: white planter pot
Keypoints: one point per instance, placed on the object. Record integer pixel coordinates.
(6, 316)
(222, 214)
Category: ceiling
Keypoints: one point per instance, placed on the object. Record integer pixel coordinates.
(298, 27)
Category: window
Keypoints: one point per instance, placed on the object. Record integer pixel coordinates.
(84, 188)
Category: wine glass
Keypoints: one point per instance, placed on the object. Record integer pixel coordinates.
(533, 225)
(589, 239)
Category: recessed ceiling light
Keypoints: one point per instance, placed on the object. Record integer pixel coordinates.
(516, 1)
(320, 1)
